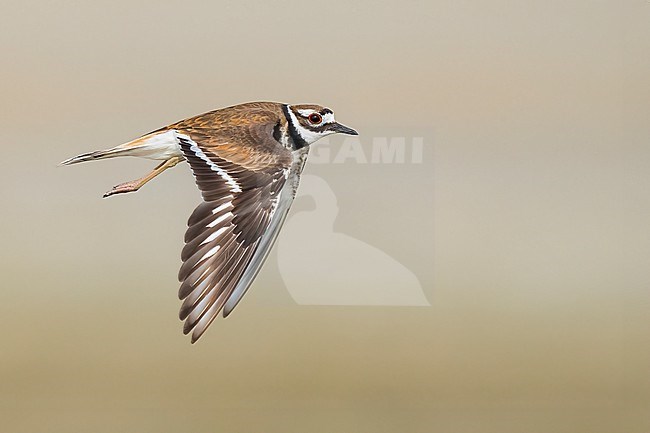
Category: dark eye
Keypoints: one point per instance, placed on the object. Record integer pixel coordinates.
(315, 118)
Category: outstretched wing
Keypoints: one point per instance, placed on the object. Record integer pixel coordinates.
(230, 234)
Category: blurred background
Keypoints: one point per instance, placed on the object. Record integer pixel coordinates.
(525, 222)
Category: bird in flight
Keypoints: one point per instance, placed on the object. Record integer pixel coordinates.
(246, 160)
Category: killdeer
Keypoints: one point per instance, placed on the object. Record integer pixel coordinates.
(246, 160)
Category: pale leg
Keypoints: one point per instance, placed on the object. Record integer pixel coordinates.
(136, 184)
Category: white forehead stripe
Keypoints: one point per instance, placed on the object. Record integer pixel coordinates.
(327, 118)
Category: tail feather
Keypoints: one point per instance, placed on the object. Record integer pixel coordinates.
(157, 145)
(91, 156)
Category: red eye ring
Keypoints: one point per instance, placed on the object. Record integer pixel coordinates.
(315, 118)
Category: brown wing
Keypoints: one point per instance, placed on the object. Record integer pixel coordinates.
(241, 192)
(245, 134)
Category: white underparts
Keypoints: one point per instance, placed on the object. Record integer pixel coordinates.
(160, 146)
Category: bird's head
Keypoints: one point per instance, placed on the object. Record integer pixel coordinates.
(311, 122)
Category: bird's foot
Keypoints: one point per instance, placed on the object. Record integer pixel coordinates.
(122, 188)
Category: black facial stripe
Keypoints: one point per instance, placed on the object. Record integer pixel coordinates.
(277, 133)
(320, 128)
(298, 142)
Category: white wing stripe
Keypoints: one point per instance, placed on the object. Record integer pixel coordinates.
(210, 253)
(219, 220)
(214, 235)
(220, 208)
(234, 186)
